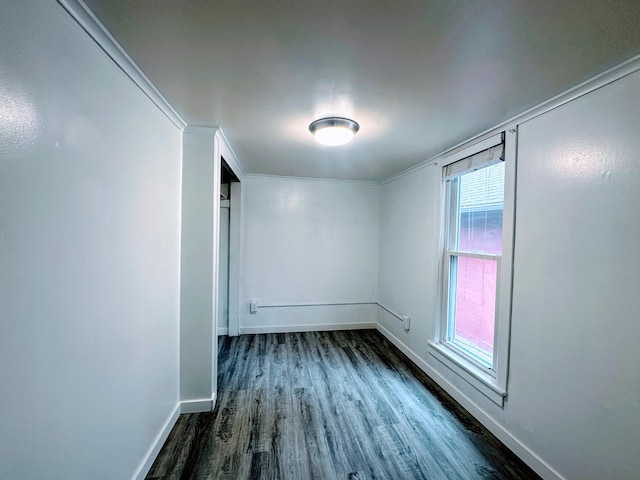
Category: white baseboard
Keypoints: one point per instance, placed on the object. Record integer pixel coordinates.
(223, 331)
(157, 444)
(521, 450)
(325, 327)
(198, 406)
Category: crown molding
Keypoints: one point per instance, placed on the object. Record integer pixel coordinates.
(267, 176)
(79, 11)
(594, 83)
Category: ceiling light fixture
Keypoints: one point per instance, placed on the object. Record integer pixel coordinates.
(334, 131)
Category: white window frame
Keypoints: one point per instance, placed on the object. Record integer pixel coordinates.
(492, 382)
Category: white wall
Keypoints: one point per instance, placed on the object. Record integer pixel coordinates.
(89, 255)
(309, 242)
(198, 273)
(574, 385)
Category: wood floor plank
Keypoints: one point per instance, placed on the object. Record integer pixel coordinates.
(316, 442)
(296, 362)
(329, 405)
(289, 447)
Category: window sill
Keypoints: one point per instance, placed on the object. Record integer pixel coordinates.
(472, 374)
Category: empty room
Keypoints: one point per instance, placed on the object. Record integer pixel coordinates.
(266, 239)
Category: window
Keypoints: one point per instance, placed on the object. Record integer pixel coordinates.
(472, 338)
(474, 246)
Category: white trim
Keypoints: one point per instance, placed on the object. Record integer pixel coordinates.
(229, 155)
(235, 204)
(156, 445)
(479, 256)
(217, 178)
(97, 31)
(235, 256)
(504, 280)
(490, 382)
(310, 179)
(520, 449)
(223, 144)
(594, 83)
(223, 331)
(198, 406)
(473, 375)
(319, 327)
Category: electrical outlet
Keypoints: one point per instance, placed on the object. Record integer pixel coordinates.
(253, 306)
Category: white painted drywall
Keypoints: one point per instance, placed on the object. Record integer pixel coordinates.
(198, 288)
(308, 241)
(201, 158)
(409, 236)
(89, 255)
(574, 380)
(577, 273)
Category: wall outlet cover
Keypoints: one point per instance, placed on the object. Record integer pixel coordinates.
(253, 306)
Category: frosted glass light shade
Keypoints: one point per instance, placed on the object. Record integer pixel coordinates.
(334, 131)
(334, 136)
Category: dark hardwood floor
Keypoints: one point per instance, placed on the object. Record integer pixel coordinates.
(329, 405)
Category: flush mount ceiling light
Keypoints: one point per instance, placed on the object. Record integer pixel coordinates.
(334, 131)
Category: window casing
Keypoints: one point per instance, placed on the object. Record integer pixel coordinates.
(472, 336)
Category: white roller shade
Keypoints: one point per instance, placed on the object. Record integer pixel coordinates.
(474, 162)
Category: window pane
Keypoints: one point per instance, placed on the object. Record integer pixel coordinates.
(475, 303)
(480, 210)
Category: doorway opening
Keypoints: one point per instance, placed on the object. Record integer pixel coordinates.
(228, 255)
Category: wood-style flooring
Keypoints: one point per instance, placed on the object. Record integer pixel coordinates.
(329, 405)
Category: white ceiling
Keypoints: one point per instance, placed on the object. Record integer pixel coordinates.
(420, 76)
